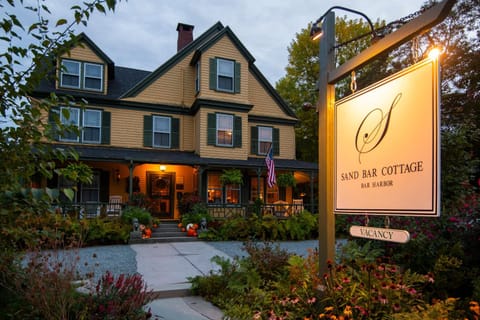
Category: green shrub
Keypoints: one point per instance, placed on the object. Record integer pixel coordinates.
(144, 217)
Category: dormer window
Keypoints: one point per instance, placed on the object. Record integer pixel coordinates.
(224, 75)
(81, 75)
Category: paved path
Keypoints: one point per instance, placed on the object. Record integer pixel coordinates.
(166, 267)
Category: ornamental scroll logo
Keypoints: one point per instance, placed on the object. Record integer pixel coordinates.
(373, 129)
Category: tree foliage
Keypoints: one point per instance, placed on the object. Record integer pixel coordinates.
(27, 55)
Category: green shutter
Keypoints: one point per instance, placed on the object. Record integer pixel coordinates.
(237, 77)
(254, 140)
(237, 132)
(211, 129)
(213, 74)
(175, 137)
(276, 141)
(53, 119)
(106, 127)
(147, 131)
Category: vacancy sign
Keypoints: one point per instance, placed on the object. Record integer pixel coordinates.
(387, 146)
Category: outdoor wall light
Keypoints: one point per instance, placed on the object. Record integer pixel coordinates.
(316, 30)
(163, 168)
(117, 175)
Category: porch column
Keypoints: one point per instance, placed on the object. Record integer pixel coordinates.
(130, 181)
(200, 171)
(312, 202)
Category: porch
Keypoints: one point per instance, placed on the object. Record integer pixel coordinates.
(280, 209)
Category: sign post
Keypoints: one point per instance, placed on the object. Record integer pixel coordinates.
(328, 76)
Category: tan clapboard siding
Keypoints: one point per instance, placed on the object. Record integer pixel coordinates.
(175, 87)
(127, 129)
(263, 103)
(224, 48)
(207, 151)
(287, 140)
(83, 53)
(187, 133)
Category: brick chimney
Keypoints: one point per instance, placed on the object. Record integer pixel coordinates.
(185, 35)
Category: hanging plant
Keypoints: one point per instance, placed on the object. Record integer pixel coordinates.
(231, 176)
(286, 180)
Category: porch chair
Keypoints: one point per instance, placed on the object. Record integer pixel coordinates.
(114, 207)
(297, 206)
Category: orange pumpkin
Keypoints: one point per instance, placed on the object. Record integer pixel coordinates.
(195, 226)
(183, 230)
(191, 232)
(180, 225)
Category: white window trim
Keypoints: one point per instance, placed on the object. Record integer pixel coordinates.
(68, 124)
(232, 76)
(99, 127)
(82, 76)
(260, 139)
(217, 129)
(64, 72)
(169, 132)
(93, 77)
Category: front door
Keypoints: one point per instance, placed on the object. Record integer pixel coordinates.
(160, 188)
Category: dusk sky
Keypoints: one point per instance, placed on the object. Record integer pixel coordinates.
(142, 33)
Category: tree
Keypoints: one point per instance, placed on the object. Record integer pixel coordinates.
(299, 86)
(27, 56)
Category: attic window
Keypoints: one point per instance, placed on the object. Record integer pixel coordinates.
(81, 75)
(224, 75)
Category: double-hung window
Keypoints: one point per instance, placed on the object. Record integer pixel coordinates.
(225, 74)
(89, 122)
(161, 131)
(93, 76)
(265, 139)
(70, 74)
(224, 129)
(70, 117)
(92, 126)
(81, 75)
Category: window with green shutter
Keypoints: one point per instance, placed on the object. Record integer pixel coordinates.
(261, 137)
(224, 75)
(93, 125)
(161, 131)
(224, 130)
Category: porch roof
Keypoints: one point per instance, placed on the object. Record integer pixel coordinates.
(127, 155)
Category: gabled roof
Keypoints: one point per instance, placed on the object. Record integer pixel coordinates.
(173, 60)
(82, 37)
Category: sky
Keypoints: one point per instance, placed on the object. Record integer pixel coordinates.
(142, 34)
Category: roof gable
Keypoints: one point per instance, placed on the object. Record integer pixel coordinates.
(82, 37)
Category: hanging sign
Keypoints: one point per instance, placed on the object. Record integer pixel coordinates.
(383, 234)
(387, 146)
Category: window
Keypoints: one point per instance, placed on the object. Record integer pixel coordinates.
(224, 130)
(93, 76)
(94, 125)
(255, 190)
(70, 74)
(81, 75)
(70, 117)
(262, 137)
(161, 131)
(265, 135)
(91, 192)
(218, 194)
(197, 77)
(225, 74)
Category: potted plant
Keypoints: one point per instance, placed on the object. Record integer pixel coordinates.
(286, 180)
(231, 176)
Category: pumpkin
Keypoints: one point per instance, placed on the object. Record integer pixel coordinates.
(191, 232)
(195, 226)
(183, 229)
(189, 226)
(180, 225)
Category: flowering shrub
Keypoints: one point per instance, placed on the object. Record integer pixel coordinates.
(122, 297)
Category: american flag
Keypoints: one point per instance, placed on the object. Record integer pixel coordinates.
(271, 178)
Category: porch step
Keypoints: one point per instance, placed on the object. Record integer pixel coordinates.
(167, 231)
